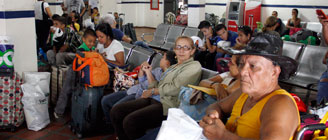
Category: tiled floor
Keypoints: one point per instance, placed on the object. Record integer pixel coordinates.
(54, 131)
(141, 30)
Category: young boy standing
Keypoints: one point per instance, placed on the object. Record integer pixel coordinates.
(89, 41)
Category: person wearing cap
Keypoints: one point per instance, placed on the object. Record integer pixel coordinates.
(263, 110)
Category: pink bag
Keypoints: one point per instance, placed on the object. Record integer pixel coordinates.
(308, 120)
(294, 30)
(222, 64)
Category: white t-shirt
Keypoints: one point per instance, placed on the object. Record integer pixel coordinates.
(58, 33)
(74, 5)
(111, 50)
(38, 11)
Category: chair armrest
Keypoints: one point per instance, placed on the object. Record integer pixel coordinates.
(143, 35)
(113, 66)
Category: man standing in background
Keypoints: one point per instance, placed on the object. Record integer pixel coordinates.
(119, 21)
(74, 5)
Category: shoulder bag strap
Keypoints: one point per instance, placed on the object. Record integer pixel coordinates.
(44, 15)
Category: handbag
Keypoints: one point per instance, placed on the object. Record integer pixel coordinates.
(123, 80)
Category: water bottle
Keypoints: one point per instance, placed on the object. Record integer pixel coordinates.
(42, 54)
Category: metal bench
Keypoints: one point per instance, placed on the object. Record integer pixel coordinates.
(127, 50)
(314, 26)
(156, 60)
(292, 49)
(172, 35)
(138, 56)
(190, 31)
(159, 36)
(309, 70)
(206, 73)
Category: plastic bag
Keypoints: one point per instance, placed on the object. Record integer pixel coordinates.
(179, 126)
(35, 99)
(320, 112)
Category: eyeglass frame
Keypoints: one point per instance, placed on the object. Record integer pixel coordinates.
(185, 47)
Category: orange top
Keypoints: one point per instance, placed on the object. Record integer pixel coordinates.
(248, 125)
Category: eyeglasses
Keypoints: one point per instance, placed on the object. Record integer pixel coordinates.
(185, 47)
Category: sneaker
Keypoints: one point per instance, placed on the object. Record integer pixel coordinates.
(57, 116)
(60, 118)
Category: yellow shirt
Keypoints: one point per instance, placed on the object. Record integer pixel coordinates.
(77, 27)
(248, 125)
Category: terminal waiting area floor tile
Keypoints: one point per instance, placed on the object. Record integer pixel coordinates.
(53, 131)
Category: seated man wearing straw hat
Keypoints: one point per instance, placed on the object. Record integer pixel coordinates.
(263, 110)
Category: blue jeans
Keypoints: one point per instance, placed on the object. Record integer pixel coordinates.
(143, 44)
(108, 101)
(322, 88)
(151, 134)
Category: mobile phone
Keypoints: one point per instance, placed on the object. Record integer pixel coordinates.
(321, 13)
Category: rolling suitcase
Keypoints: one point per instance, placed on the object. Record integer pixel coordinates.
(58, 74)
(86, 109)
(132, 32)
(11, 108)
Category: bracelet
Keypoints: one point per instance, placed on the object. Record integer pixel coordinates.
(152, 91)
(212, 84)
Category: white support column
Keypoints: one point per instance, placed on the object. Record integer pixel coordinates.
(106, 6)
(196, 12)
(17, 21)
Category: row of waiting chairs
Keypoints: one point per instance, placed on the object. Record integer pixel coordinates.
(135, 56)
(310, 67)
(165, 35)
(309, 58)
